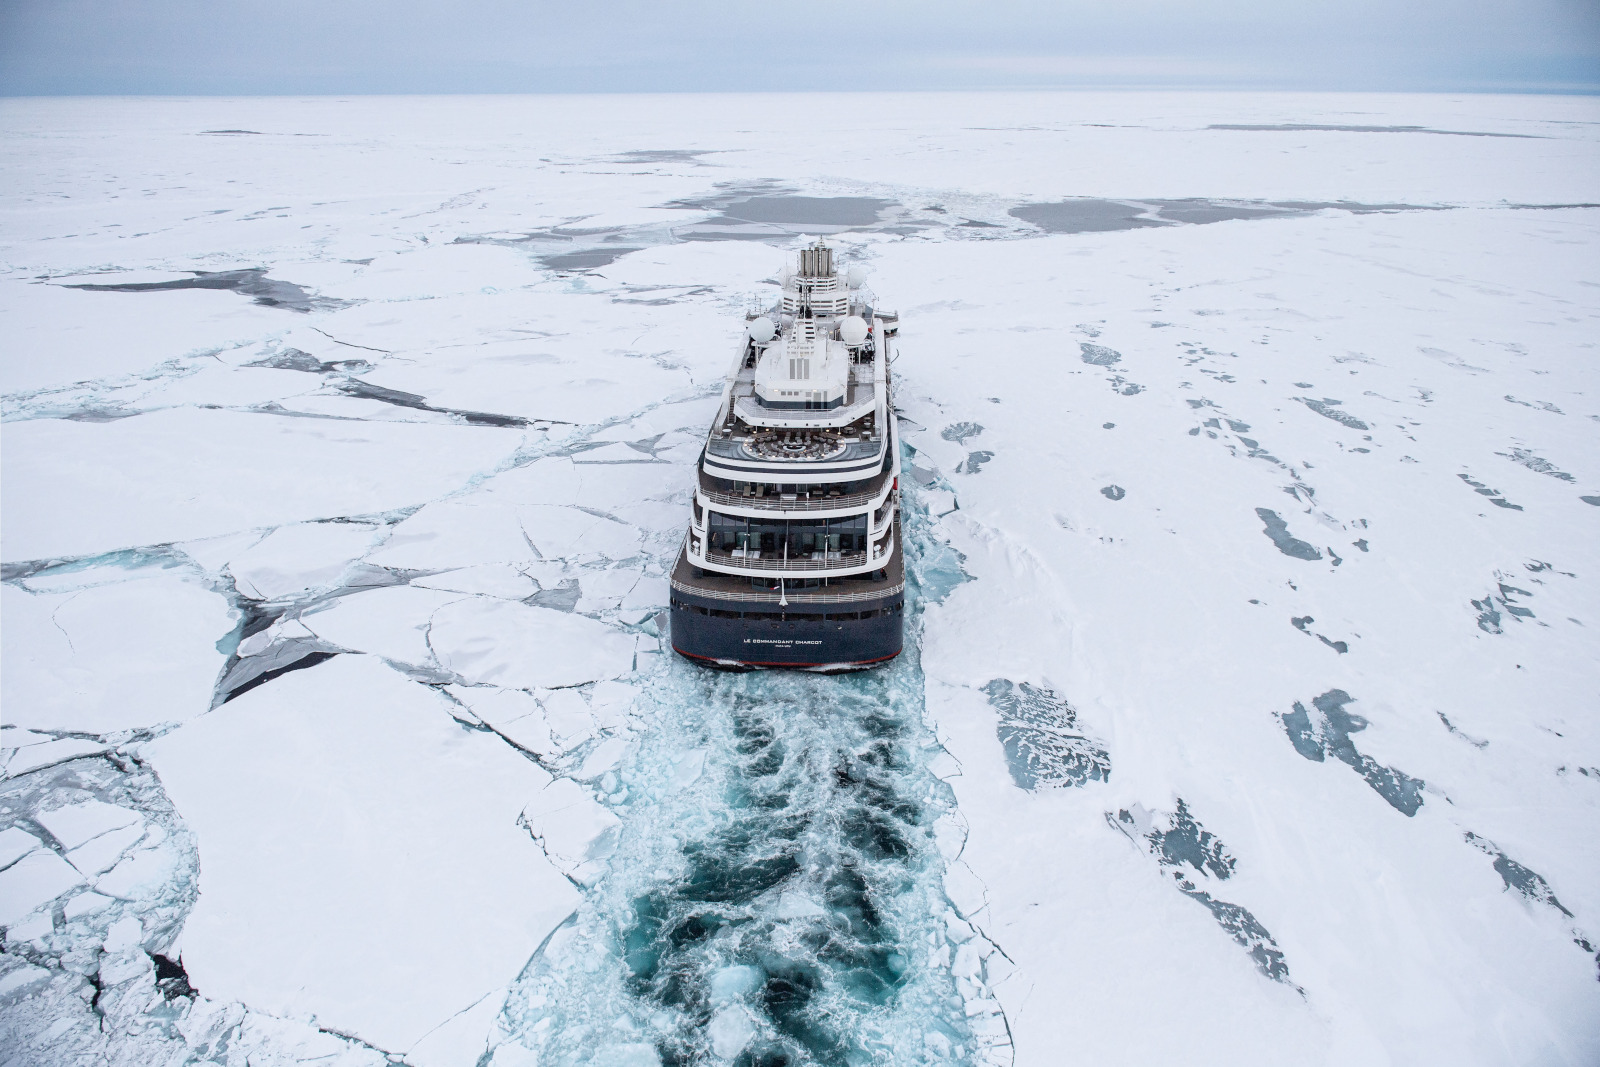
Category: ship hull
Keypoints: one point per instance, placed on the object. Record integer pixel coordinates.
(776, 639)
(735, 635)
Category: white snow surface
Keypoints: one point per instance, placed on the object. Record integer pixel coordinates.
(361, 857)
(1285, 412)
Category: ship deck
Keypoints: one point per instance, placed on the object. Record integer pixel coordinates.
(838, 591)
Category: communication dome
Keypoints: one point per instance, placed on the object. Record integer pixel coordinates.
(764, 329)
(855, 276)
(853, 330)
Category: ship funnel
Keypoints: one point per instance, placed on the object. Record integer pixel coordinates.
(816, 262)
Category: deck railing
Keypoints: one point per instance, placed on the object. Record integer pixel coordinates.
(777, 503)
(774, 566)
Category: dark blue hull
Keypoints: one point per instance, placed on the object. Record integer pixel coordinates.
(734, 635)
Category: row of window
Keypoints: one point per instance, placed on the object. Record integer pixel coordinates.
(774, 538)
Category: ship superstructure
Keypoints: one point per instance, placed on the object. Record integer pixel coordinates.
(792, 558)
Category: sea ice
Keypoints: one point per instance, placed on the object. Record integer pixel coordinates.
(345, 791)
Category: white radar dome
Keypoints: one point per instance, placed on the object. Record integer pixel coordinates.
(764, 329)
(853, 330)
(856, 276)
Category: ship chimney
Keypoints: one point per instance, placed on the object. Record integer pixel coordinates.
(816, 262)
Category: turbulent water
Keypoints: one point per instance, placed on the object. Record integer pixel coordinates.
(775, 893)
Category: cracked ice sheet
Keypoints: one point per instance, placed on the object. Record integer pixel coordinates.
(1150, 634)
(134, 652)
(75, 488)
(360, 855)
(57, 336)
(573, 357)
(1140, 613)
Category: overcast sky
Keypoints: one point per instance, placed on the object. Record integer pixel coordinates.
(474, 46)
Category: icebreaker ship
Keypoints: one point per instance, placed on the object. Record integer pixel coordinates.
(793, 558)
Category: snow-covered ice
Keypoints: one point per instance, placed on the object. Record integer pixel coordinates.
(1252, 497)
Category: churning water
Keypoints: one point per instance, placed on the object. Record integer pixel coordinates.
(775, 895)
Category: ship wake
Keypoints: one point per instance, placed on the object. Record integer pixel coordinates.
(775, 894)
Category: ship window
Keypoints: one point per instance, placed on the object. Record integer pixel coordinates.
(773, 538)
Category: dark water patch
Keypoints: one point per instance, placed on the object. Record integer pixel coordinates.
(959, 432)
(283, 658)
(1200, 212)
(1113, 492)
(294, 359)
(1504, 596)
(1108, 426)
(1317, 127)
(1494, 495)
(974, 462)
(1526, 458)
(254, 283)
(1045, 748)
(1086, 215)
(1194, 856)
(1325, 731)
(171, 977)
(1093, 215)
(1098, 355)
(1595, 500)
(1303, 624)
(767, 210)
(1328, 408)
(561, 597)
(584, 259)
(1278, 531)
(663, 155)
(1122, 387)
(801, 211)
(368, 391)
(1530, 885)
(256, 133)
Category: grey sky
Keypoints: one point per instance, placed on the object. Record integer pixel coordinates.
(421, 46)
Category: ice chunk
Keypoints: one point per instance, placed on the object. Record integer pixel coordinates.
(359, 853)
(730, 1031)
(15, 843)
(111, 657)
(22, 979)
(85, 904)
(491, 579)
(463, 1039)
(51, 752)
(571, 827)
(103, 852)
(390, 622)
(77, 823)
(731, 983)
(299, 557)
(521, 647)
(571, 534)
(35, 879)
(454, 534)
(140, 875)
(77, 488)
(793, 904)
